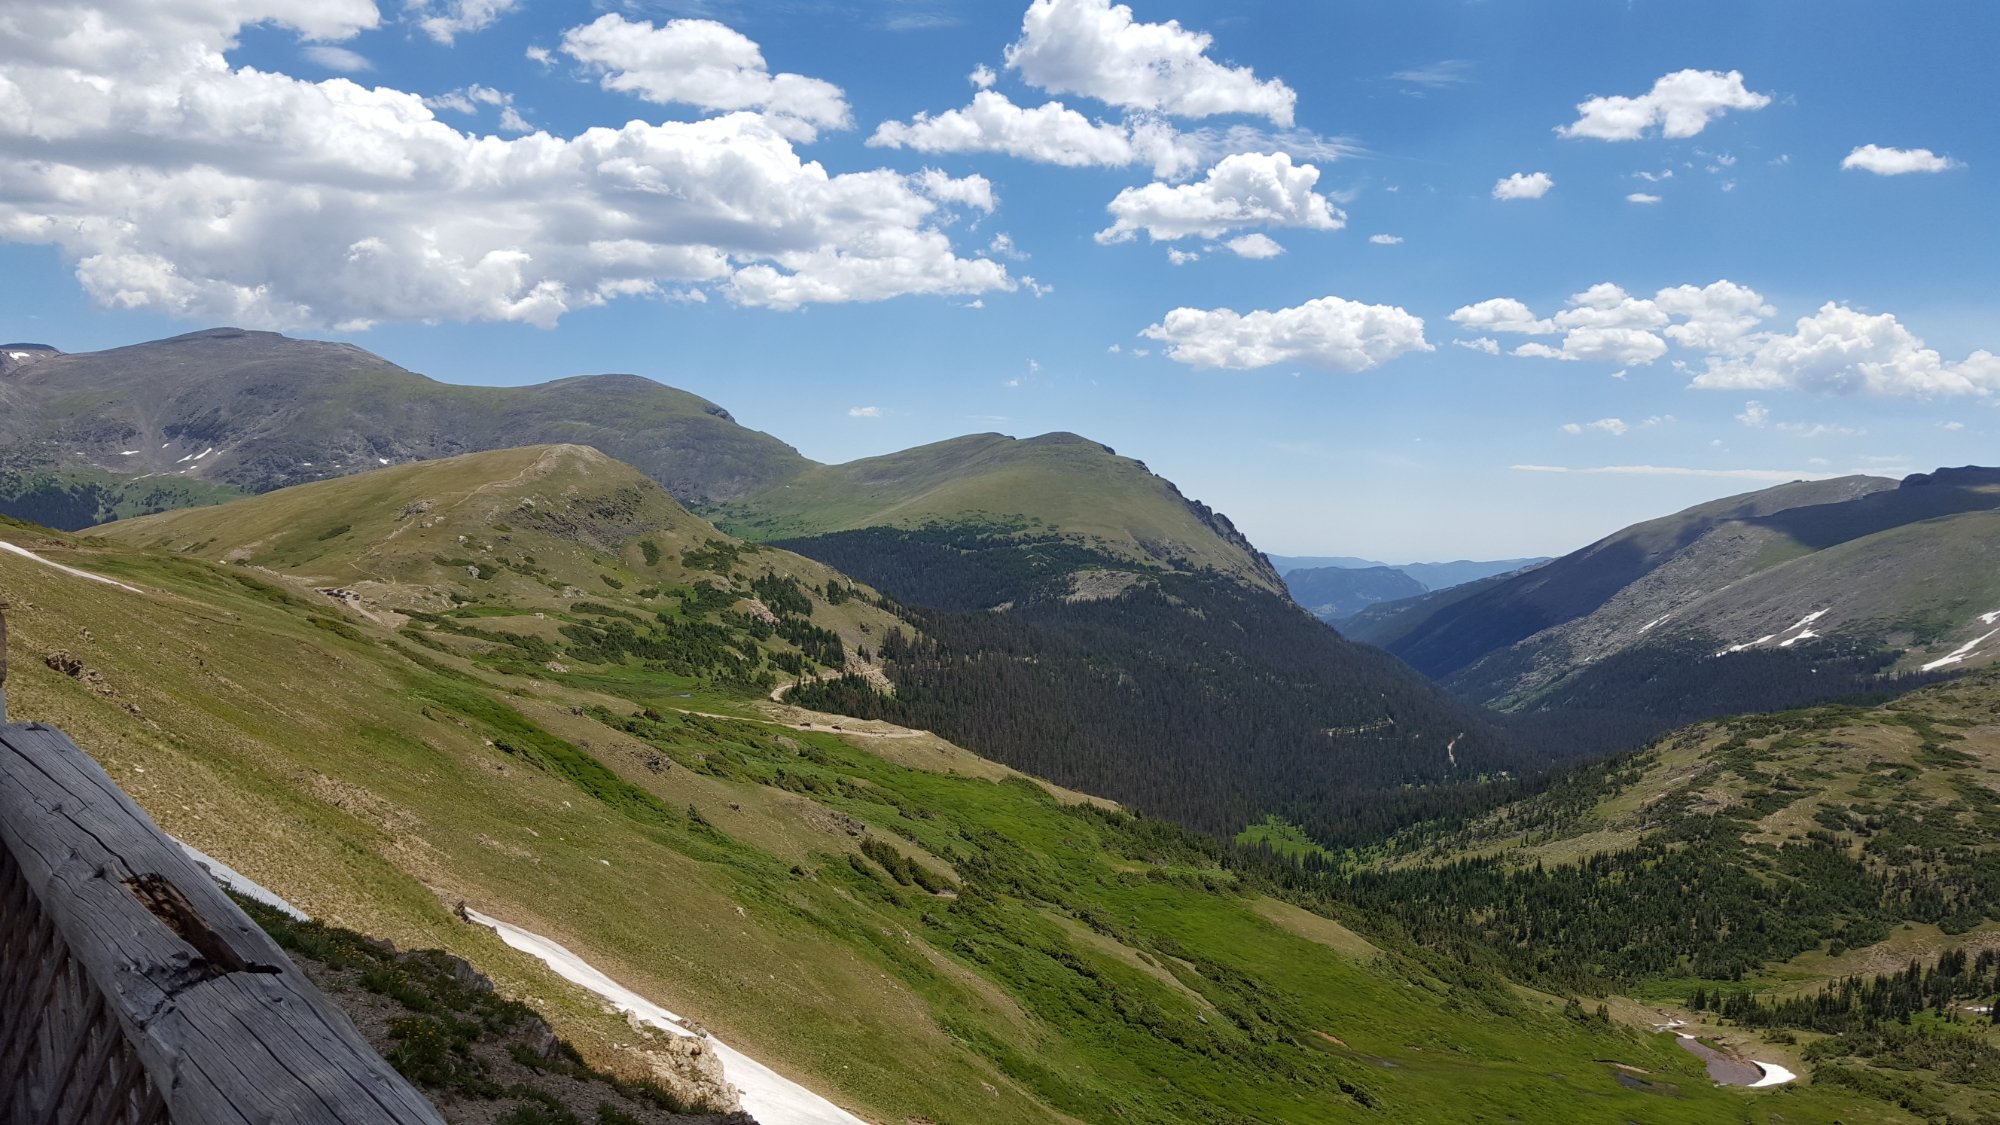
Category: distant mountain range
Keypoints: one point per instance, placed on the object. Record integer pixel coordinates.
(1429, 575)
(1335, 589)
(1770, 598)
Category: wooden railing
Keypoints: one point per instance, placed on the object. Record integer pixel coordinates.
(133, 991)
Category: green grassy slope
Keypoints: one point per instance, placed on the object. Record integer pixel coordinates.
(1755, 859)
(1053, 483)
(752, 874)
(534, 557)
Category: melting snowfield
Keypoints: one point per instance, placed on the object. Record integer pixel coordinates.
(1799, 630)
(1966, 651)
(27, 554)
(1729, 1070)
(768, 1096)
(235, 880)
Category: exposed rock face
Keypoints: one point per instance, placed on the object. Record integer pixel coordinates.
(689, 1067)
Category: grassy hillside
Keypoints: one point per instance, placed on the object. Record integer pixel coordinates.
(256, 411)
(1754, 862)
(1055, 483)
(553, 557)
(909, 929)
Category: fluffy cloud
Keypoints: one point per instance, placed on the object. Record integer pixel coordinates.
(1755, 415)
(1841, 351)
(1614, 426)
(1605, 323)
(1835, 351)
(1330, 333)
(1642, 197)
(1051, 133)
(1254, 246)
(1608, 345)
(864, 412)
(447, 21)
(1386, 239)
(700, 63)
(336, 58)
(180, 185)
(1096, 49)
(1531, 185)
(1245, 190)
(469, 99)
(1485, 344)
(1503, 314)
(1680, 104)
(1896, 161)
(1716, 318)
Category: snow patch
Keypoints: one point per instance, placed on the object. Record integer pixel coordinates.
(204, 453)
(1990, 618)
(768, 1096)
(240, 883)
(27, 554)
(1774, 1075)
(1962, 652)
(131, 453)
(382, 460)
(1654, 621)
(1790, 641)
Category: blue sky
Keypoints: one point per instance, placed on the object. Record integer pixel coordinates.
(864, 226)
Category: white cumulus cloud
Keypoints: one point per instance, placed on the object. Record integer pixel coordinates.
(1839, 350)
(1680, 104)
(700, 63)
(1097, 49)
(1616, 427)
(1254, 246)
(864, 412)
(1051, 133)
(1503, 314)
(1896, 161)
(178, 184)
(1386, 239)
(336, 58)
(1331, 333)
(1247, 189)
(1529, 185)
(1642, 197)
(446, 21)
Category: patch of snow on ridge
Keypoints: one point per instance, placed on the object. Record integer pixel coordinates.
(1989, 618)
(1798, 628)
(768, 1096)
(1654, 621)
(1763, 640)
(240, 883)
(1774, 1075)
(1962, 652)
(70, 570)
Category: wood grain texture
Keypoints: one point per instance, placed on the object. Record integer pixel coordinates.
(226, 1028)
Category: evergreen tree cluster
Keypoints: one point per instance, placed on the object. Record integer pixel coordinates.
(1947, 988)
(1191, 696)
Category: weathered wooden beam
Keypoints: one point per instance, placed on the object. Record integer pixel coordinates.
(228, 1030)
(4, 607)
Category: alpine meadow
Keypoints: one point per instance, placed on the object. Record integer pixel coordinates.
(889, 562)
